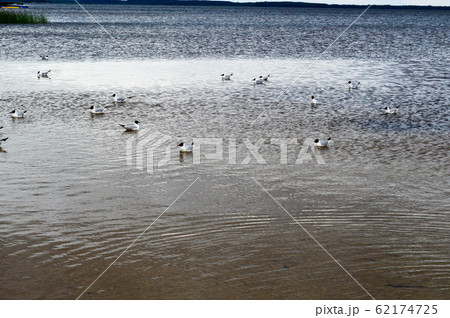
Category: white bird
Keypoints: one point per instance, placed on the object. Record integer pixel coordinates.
(16, 114)
(321, 142)
(44, 57)
(131, 127)
(265, 78)
(388, 110)
(3, 140)
(313, 100)
(258, 81)
(226, 77)
(351, 86)
(120, 99)
(43, 74)
(186, 148)
(96, 110)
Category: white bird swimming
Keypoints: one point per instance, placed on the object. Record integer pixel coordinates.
(96, 110)
(131, 127)
(3, 140)
(258, 81)
(313, 100)
(265, 78)
(226, 77)
(44, 57)
(186, 148)
(321, 142)
(16, 114)
(120, 99)
(388, 110)
(351, 86)
(43, 74)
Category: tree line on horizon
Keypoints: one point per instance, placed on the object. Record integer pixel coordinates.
(262, 3)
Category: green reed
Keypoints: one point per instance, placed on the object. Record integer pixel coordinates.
(21, 17)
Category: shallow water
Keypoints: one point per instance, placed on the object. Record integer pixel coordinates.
(379, 204)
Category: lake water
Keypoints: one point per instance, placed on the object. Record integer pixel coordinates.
(379, 204)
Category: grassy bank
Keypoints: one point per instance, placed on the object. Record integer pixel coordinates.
(20, 16)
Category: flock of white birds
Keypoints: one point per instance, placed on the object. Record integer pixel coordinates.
(183, 147)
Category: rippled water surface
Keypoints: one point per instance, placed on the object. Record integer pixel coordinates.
(379, 205)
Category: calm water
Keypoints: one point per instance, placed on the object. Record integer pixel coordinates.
(70, 204)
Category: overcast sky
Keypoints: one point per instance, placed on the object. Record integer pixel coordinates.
(366, 2)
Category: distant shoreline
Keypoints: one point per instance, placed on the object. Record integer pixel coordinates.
(262, 4)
